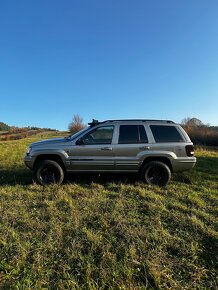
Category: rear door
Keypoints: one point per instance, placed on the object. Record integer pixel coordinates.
(131, 141)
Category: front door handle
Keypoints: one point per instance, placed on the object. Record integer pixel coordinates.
(106, 148)
(144, 148)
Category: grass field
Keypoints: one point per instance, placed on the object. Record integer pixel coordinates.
(107, 232)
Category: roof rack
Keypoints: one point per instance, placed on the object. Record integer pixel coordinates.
(96, 122)
(141, 120)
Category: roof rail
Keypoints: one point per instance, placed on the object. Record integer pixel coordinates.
(141, 120)
(96, 122)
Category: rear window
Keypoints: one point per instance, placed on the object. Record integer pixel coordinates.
(166, 134)
(132, 134)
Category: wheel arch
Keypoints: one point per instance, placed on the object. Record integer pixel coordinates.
(157, 158)
(53, 157)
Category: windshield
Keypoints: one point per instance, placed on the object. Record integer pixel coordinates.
(73, 136)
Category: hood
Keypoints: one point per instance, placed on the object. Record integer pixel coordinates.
(49, 141)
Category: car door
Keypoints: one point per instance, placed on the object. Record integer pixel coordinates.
(94, 151)
(132, 140)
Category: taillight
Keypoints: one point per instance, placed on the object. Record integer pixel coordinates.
(190, 151)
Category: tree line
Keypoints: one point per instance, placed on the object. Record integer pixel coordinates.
(4, 127)
(200, 133)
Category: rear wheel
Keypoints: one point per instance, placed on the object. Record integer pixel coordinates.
(48, 172)
(156, 173)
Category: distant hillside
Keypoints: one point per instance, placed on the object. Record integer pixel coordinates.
(13, 133)
(6, 127)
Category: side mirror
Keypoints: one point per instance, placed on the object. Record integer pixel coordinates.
(80, 141)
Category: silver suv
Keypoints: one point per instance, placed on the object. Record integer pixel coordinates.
(153, 148)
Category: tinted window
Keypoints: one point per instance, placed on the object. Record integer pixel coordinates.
(101, 135)
(131, 134)
(166, 134)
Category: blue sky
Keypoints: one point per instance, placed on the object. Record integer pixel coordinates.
(108, 59)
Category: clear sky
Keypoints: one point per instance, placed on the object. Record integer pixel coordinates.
(108, 59)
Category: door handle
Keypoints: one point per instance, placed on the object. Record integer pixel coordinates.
(106, 148)
(145, 148)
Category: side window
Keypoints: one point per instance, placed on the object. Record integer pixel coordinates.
(101, 135)
(166, 134)
(132, 134)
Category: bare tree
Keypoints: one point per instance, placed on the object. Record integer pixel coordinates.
(76, 124)
(192, 122)
(185, 121)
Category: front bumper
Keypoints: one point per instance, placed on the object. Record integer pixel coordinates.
(29, 161)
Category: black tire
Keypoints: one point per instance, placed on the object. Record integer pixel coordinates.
(156, 173)
(48, 172)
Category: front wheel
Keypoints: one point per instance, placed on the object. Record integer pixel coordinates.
(48, 172)
(156, 173)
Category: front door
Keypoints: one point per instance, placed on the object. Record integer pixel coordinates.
(96, 151)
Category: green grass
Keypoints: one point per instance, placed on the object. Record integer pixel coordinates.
(107, 232)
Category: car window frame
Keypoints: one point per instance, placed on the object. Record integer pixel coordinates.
(96, 128)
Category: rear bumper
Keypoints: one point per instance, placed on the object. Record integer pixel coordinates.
(182, 164)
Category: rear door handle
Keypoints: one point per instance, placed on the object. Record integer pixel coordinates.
(106, 148)
(144, 148)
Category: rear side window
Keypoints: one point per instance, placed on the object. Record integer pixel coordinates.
(166, 134)
(132, 134)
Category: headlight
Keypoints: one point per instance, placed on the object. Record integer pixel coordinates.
(28, 151)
